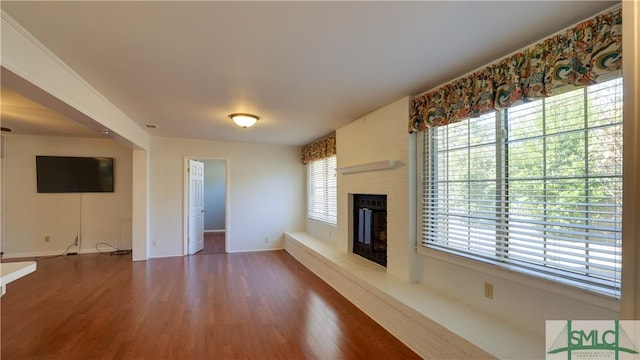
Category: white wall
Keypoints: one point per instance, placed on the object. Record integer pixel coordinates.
(30, 216)
(37, 73)
(518, 299)
(265, 197)
(383, 135)
(140, 204)
(322, 230)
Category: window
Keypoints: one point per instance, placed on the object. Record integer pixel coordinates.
(536, 188)
(322, 190)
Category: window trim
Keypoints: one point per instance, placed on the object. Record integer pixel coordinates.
(494, 269)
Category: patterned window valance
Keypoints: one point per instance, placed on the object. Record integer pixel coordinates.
(578, 56)
(319, 149)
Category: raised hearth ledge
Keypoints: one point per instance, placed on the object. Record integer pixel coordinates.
(433, 326)
(11, 271)
(372, 166)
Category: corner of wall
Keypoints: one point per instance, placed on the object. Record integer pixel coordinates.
(631, 183)
(381, 135)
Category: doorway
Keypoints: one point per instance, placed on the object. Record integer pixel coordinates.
(215, 205)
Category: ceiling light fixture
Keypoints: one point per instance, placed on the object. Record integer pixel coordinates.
(244, 120)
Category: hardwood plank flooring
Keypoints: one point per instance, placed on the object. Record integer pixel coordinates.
(213, 243)
(262, 305)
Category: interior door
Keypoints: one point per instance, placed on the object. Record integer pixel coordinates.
(196, 207)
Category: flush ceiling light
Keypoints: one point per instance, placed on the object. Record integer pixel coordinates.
(244, 120)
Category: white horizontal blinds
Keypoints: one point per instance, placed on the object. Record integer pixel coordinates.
(460, 188)
(555, 210)
(322, 187)
(565, 205)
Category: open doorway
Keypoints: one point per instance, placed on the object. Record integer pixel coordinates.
(213, 229)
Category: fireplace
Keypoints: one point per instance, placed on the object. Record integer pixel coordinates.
(370, 227)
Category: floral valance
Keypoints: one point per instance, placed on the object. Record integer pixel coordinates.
(319, 149)
(578, 56)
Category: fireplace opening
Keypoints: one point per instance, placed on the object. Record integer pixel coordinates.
(370, 227)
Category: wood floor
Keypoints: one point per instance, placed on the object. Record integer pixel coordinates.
(262, 305)
(213, 243)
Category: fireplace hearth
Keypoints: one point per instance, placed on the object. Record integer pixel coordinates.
(370, 227)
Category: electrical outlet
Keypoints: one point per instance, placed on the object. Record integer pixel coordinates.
(488, 290)
(47, 238)
(154, 243)
(266, 240)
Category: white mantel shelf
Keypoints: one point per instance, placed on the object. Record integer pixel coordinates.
(11, 271)
(366, 167)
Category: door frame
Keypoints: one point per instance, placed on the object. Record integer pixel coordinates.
(185, 200)
(3, 195)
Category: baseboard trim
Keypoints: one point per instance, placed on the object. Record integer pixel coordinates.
(31, 255)
(253, 250)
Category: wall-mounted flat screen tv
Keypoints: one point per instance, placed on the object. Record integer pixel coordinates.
(70, 174)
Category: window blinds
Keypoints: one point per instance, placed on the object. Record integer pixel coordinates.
(322, 190)
(536, 188)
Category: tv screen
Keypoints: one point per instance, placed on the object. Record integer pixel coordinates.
(69, 174)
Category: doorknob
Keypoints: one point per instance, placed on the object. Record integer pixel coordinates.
(203, 210)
